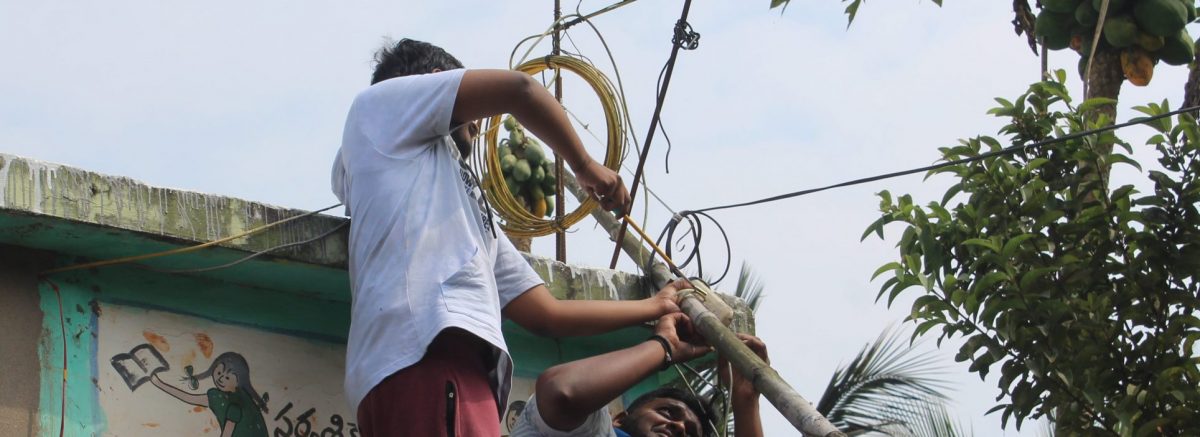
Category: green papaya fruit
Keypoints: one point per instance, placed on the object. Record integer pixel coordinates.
(1150, 42)
(1190, 6)
(1086, 15)
(1160, 17)
(514, 187)
(534, 153)
(510, 123)
(539, 174)
(1120, 31)
(507, 162)
(516, 137)
(1113, 5)
(521, 171)
(536, 193)
(1053, 25)
(549, 205)
(1178, 50)
(1064, 6)
(503, 150)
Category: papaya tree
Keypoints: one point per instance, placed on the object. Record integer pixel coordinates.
(1084, 298)
(1134, 37)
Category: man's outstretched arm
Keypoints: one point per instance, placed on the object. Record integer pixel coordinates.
(484, 93)
(746, 419)
(541, 313)
(568, 393)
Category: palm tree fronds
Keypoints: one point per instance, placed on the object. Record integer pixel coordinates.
(750, 287)
(888, 388)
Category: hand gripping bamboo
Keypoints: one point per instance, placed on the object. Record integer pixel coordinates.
(697, 304)
(766, 380)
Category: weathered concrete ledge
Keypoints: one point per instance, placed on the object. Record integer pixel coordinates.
(61, 193)
(44, 189)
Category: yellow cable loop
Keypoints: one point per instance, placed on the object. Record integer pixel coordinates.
(519, 222)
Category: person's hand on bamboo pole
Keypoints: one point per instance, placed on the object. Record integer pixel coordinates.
(570, 398)
(742, 393)
(686, 344)
(669, 294)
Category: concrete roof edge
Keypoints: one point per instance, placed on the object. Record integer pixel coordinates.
(37, 188)
(29, 187)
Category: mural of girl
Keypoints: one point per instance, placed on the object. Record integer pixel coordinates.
(237, 406)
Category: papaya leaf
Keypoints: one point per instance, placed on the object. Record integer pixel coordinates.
(885, 268)
(875, 227)
(852, 11)
(1096, 102)
(987, 281)
(980, 242)
(1028, 278)
(1122, 159)
(1013, 244)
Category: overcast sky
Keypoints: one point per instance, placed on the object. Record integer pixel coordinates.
(247, 99)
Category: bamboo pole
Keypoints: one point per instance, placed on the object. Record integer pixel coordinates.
(703, 307)
(766, 380)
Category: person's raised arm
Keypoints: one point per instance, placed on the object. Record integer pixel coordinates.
(485, 93)
(191, 398)
(746, 419)
(541, 313)
(568, 393)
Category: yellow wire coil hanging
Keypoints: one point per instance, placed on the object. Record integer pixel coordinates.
(518, 221)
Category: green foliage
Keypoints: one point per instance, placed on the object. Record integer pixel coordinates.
(851, 7)
(888, 388)
(1084, 298)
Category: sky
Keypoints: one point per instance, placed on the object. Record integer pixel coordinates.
(247, 99)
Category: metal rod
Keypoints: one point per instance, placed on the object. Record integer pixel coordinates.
(662, 96)
(560, 237)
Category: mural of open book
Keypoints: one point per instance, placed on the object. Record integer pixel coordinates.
(137, 366)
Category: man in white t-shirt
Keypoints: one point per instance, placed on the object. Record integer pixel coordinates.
(569, 399)
(430, 274)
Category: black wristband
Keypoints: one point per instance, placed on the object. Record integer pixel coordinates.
(666, 345)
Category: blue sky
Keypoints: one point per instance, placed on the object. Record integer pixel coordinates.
(247, 99)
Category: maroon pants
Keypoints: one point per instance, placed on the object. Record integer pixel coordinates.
(446, 394)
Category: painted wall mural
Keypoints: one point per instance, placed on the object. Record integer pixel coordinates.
(166, 374)
(161, 373)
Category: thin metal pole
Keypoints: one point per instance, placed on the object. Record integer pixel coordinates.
(560, 237)
(662, 96)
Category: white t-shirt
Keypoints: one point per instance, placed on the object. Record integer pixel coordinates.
(530, 424)
(423, 250)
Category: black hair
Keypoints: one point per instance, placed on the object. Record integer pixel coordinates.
(516, 407)
(236, 363)
(408, 57)
(693, 403)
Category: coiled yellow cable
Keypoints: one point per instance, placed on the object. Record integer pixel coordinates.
(519, 222)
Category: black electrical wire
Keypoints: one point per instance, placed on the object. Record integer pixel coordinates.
(662, 126)
(1004, 151)
(678, 41)
(694, 221)
(695, 228)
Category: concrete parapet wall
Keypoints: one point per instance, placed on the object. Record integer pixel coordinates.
(46, 189)
(54, 193)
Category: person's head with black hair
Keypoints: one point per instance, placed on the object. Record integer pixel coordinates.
(514, 412)
(666, 409)
(408, 57)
